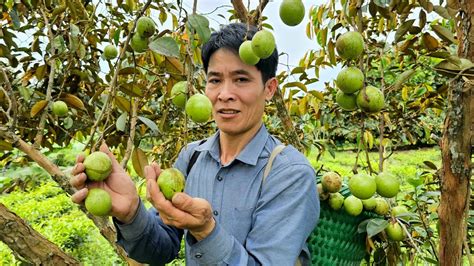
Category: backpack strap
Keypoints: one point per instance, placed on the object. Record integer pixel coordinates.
(193, 159)
(268, 168)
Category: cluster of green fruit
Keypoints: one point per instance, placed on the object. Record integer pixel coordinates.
(98, 167)
(363, 189)
(198, 107)
(59, 108)
(352, 94)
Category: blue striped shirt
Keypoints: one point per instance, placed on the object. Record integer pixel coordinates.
(256, 223)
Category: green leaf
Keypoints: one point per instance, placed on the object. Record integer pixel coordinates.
(299, 85)
(68, 122)
(402, 78)
(166, 46)
(75, 31)
(15, 19)
(121, 122)
(152, 125)
(430, 165)
(201, 25)
(403, 29)
(442, 12)
(375, 226)
(444, 33)
(317, 94)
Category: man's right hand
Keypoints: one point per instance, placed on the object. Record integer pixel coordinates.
(118, 184)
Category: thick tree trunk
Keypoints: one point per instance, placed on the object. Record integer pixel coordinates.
(456, 151)
(28, 243)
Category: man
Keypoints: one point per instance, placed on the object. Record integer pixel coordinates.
(227, 214)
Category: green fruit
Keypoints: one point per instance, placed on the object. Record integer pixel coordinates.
(350, 45)
(387, 185)
(247, 55)
(399, 210)
(416, 180)
(98, 202)
(362, 186)
(350, 80)
(370, 99)
(332, 182)
(139, 44)
(323, 195)
(369, 204)
(110, 52)
(98, 166)
(263, 44)
(199, 108)
(395, 231)
(381, 208)
(347, 102)
(335, 201)
(60, 108)
(353, 205)
(145, 27)
(171, 181)
(178, 94)
(292, 12)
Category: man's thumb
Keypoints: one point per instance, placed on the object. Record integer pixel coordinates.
(182, 201)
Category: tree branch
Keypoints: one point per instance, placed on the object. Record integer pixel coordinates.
(131, 138)
(11, 103)
(240, 10)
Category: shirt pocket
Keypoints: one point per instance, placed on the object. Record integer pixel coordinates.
(242, 223)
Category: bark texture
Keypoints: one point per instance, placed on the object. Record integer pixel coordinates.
(28, 243)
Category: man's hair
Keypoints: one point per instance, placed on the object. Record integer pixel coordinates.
(230, 37)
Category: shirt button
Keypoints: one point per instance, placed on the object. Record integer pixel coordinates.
(215, 213)
(198, 255)
(219, 178)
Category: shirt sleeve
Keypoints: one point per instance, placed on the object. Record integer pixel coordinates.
(147, 239)
(286, 213)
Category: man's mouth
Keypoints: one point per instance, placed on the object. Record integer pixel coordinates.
(228, 111)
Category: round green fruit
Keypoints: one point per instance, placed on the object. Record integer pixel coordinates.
(98, 166)
(110, 52)
(263, 44)
(178, 94)
(98, 202)
(347, 102)
(145, 27)
(362, 186)
(171, 181)
(247, 55)
(332, 182)
(350, 45)
(395, 231)
(350, 80)
(292, 12)
(60, 108)
(416, 180)
(199, 108)
(139, 44)
(369, 204)
(335, 201)
(370, 99)
(399, 211)
(353, 205)
(381, 208)
(387, 185)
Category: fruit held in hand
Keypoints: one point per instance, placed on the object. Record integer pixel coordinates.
(199, 108)
(145, 27)
(335, 201)
(171, 181)
(247, 55)
(98, 202)
(362, 186)
(60, 108)
(350, 45)
(370, 99)
(98, 166)
(292, 12)
(353, 205)
(139, 44)
(110, 52)
(332, 182)
(395, 231)
(263, 44)
(178, 94)
(350, 80)
(346, 101)
(387, 185)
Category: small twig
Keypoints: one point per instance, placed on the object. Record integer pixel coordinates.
(131, 137)
(240, 10)
(257, 18)
(382, 120)
(51, 62)
(409, 236)
(424, 224)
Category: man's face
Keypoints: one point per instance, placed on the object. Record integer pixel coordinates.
(237, 93)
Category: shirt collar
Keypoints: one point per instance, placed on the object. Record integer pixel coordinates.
(249, 155)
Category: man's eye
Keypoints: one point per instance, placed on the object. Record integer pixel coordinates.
(213, 81)
(242, 79)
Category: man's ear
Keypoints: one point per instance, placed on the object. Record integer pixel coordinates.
(270, 88)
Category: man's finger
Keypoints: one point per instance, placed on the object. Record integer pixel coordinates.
(80, 158)
(78, 181)
(78, 168)
(115, 164)
(156, 168)
(79, 196)
(183, 202)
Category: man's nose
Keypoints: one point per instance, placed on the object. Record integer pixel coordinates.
(226, 92)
